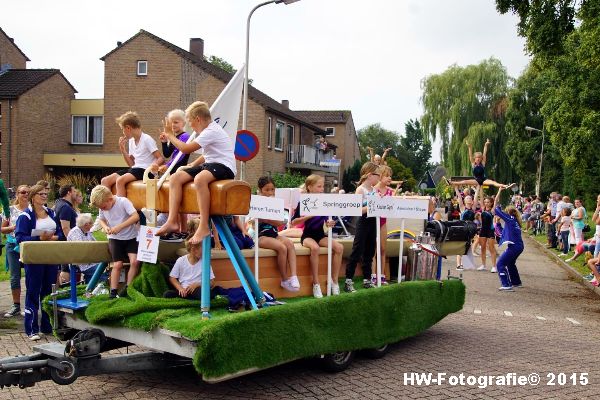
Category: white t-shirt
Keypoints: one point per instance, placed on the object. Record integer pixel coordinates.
(119, 212)
(559, 207)
(187, 273)
(218, 146)
(142, 152)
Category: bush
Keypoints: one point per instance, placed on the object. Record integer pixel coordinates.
(288, 180)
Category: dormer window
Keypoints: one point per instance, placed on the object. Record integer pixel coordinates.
(142, 68)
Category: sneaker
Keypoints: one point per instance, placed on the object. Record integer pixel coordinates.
(570, 259)
(383, 280)
(113, 294)
(506, 288)
(481, 268)
(294, 282)
(367, 284)
(586, 277)
(335, 289)
(34, 337)
(287, 285)
(349, 286)
(493, 270)
(563, 254)
(520, 285)
(317, 291)
(171, 238)
(460, 268)
(14, 311)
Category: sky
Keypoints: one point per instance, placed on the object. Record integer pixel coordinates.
(368, 57)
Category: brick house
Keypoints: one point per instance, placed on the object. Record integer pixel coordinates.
(34, 105)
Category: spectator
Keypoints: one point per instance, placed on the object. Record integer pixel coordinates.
(578, 216)
(81, 233)
(12, 249)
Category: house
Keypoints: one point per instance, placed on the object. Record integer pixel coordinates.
(34, 115)
(151, 76)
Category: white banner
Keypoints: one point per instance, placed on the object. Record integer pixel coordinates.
(264, 207)
(290, 196)
(345, 205)
(147, 244)
(397, 207)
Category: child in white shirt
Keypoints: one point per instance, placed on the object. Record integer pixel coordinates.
(186, 275)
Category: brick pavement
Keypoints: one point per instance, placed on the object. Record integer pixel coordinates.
(480, 339)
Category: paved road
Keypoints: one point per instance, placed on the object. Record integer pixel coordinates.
(548, 327)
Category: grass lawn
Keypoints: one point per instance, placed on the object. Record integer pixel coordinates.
(578, 265)
(4, 276)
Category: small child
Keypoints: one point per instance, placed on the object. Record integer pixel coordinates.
(238, 231)
(186, 275)
(564, 227)
(384, 189)
(365, 240)
(269, 238)
(313, 237)
(118, 219)
(217, 162)
(141, 154)
(176, 120)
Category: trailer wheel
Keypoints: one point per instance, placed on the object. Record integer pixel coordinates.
(65, 377)
(337, 362)
(377, 352)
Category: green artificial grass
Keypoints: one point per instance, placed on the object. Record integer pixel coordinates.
(303, 327)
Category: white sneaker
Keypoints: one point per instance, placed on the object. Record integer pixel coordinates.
(506, 288)
(481, 268)
(287, 285)
(34, 337)
(294, 282)
(563, 254)
(317, 291)
(335, 289)
(493, 270)
(569, 259)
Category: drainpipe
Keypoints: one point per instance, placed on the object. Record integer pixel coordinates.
(8, 152)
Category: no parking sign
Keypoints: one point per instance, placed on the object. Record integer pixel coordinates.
(246, 145)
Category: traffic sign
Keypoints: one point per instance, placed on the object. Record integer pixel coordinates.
(246, 145)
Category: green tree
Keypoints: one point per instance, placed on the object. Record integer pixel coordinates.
(417, 148)
(402, 172)
(288, 180)
(223, 64)
(468, 103)
(378, 138)
(351, 175)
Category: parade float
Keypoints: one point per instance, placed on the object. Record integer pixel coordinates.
(222, 345)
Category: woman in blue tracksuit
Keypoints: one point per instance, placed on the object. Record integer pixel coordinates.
(38, 277)
(511, 235)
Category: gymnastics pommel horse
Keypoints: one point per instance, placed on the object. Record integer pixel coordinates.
(227, 197)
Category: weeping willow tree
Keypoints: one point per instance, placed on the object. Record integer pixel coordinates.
(468, 104)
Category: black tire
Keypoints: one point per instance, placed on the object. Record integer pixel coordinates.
(377, 352)
(337, 362)
(64, 377)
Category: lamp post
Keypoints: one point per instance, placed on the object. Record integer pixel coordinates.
(245, 99)
(539, 170)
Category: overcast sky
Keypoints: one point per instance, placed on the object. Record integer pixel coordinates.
(365, 56)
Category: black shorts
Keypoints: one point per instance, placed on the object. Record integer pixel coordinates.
(219, 171)
(119, 249)
(138, 173)
(316, 235)
(487, 233)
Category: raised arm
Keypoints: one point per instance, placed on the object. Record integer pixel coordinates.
(461, 204)
(485, 149)
(497, 198)
(476, 198)
(371, 154)
(385, 153)
(471, 158)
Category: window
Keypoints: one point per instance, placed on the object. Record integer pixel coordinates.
(87, 129)
(142, 68)
(330, 131)
(279, 136)
(270, 133)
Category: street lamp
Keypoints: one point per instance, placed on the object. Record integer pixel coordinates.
(245, 100)
(539, 171)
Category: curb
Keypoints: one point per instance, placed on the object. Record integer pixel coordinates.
(570, 270)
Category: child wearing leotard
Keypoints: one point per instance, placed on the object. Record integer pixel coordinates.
(382, 187)
(269, 238)
(313, 237)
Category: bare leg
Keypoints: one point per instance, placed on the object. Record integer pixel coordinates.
(314, 258)
(115, 273)
(16, 296)
(122, 182)
(134, 267)
(490, 182)
(291, 254)
(466, 182)
(110, 180)
(175, 193)
(201, 182)
(492, 248)
(281, 250)
(483, 245)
